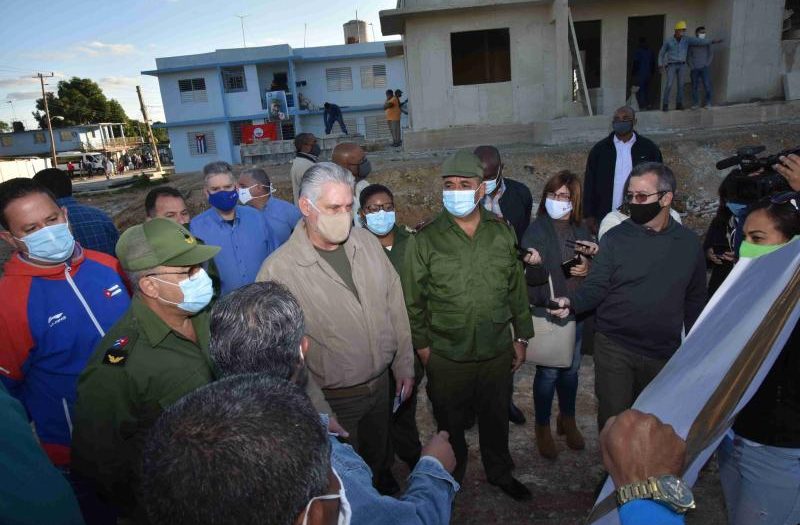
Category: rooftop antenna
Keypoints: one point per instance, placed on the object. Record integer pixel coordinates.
(305, 33)
(371, 26)
(241, 19)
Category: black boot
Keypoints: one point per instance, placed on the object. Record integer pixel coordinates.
(515, 415)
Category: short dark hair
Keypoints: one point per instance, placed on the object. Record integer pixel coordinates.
(55, 180)
(18, 188)
(327, 104)
(784, 216)
(243, 450)
(258, 174)
(301, 139)
(153, 195)
(701, 28)
(666, 179)
(389, 92)
(257, 329)
(373, 189)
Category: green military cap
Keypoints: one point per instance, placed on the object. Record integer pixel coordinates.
(160, 242)
(463, 163)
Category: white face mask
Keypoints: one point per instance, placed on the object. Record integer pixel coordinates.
(345, 512)
(246, 196)
(701, 36)
(557, 209)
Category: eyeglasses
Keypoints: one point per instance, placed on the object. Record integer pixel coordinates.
(641, 198)
(791, 197)
(375, 208)
(559, 196)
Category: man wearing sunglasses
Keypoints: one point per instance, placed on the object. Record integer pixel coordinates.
(648, 284)
(155, 354)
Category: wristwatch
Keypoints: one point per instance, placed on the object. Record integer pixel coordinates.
(670, 491)
(523, 342)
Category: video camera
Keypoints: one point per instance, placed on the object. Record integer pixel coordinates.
(754, 178)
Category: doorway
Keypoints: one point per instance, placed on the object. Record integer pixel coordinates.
(645, 37)
(590, 39)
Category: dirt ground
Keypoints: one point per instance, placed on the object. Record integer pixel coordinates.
(563, 489)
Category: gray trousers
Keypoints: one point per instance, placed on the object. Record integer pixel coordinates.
(675, 75)
(394, 129)
(619, 376)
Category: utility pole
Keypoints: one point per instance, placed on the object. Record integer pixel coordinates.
(153, 146)
(47, 115)
(241, 19)
(13, 112)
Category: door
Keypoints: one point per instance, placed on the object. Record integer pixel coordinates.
(645, 37)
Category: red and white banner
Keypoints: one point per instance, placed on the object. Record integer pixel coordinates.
(255, 132)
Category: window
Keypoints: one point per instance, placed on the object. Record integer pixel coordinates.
(373, 76)
(233, 79)
(193, 90)
(236, 130)
(481, 57)
(201, 143)
(6, 141)
(66, 135)
(376, 127)
(38, 137)
(339, 78)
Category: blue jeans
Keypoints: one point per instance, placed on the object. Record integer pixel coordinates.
(697, 75)
(329, 122)
(674, 73)
(548, 380)
(761, 484)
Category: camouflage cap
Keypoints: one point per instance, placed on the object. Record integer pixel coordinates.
(160, 242)
(463, 163)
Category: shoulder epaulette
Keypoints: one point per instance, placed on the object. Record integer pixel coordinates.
(410, 230)
(117, 354)
(422, 225)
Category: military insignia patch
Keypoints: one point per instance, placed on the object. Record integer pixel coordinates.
(117, 355)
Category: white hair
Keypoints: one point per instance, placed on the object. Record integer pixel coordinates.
(321, 173)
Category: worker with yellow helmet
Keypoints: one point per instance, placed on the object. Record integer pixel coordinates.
(672, 61)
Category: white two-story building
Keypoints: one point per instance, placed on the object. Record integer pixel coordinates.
(211, 95)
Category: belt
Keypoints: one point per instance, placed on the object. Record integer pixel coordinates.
(364, 389)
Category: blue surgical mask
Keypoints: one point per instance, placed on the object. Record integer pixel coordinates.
(381, 222)
(51, 244)
(491, 185)
(197, 291)
(459, 203)
(736, 208)
(224, 200)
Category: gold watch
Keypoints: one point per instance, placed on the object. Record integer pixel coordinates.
(670, 491)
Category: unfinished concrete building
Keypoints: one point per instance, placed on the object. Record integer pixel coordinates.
(536, 71)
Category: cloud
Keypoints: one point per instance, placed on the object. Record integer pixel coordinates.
(98, 48)
(23, 95)
(118, 81)
(26, 81)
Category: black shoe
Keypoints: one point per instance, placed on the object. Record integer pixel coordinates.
(515, 489)
(386, 484)
(515, 415)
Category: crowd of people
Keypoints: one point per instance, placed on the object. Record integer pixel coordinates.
(260, 362)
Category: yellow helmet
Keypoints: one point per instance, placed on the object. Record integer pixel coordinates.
(680, 25)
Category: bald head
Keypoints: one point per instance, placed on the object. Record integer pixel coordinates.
(490, 160)
(349, 156)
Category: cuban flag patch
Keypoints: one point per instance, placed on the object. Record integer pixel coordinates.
(111, 292)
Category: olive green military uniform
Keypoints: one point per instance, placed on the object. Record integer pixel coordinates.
(463, 296)
(139, 368)
(403, 431)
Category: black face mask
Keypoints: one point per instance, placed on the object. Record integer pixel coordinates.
(644, 213)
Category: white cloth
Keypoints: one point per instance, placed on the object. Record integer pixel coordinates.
(360, 185)
(622, 168)
(299, 167)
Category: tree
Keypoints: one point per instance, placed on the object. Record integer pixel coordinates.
(79, 101)
(4, 127)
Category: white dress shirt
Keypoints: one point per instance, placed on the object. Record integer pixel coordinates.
(622, 168)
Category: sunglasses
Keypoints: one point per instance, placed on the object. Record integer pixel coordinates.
(641, 198)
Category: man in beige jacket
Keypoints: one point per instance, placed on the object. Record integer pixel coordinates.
(355, 314)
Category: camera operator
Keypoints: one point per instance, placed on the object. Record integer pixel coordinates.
(760, 466)
(789, 167)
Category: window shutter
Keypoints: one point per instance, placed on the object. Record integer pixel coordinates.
(339, 79)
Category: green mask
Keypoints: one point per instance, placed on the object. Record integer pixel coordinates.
(751, 251)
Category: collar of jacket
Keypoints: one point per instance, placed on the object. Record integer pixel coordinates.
(306, 252)
(447, 221)
(307, 156)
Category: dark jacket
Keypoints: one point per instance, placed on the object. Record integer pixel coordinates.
(516, 204)
(541, 235)
(646, 287)
(772, 416)
(598, 184)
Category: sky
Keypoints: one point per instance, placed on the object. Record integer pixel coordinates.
(112, 41)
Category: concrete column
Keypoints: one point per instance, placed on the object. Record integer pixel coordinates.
(563, 60)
